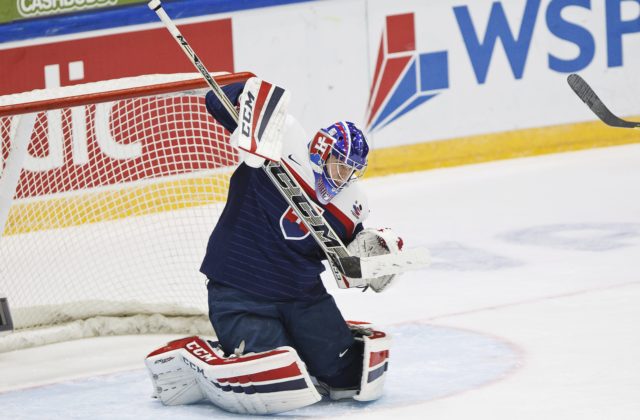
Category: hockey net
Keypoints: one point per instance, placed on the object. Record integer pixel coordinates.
(108, 195)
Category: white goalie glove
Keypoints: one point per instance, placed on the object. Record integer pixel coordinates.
(263, 110)
(371, 242)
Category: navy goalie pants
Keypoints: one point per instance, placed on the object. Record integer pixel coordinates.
(315, 328)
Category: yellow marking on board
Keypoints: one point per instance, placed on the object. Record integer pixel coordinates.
(496, 146)
(92, 207)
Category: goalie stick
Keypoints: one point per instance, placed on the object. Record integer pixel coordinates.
(340, 261)
(589, 97)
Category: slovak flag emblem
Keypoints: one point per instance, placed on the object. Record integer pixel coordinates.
(292, 227)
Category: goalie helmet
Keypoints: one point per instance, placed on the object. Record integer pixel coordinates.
(338, 156)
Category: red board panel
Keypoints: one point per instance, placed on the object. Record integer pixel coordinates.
(117, 55)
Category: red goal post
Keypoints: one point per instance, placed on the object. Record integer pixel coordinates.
(108, 194)
(187, 82)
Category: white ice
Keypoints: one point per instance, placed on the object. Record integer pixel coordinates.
(531, 309)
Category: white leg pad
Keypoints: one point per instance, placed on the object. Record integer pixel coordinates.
(173, 382)
(255, 383)
(374, 364)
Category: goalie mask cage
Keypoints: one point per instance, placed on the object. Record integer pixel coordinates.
(108, 195)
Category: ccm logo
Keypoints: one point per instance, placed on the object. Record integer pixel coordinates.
(247, 114)
(199, 352)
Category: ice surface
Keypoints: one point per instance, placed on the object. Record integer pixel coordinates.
(430, 362)
(530, 309)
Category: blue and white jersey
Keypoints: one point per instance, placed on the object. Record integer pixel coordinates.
(260, 246)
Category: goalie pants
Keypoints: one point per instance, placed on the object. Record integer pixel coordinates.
(315, 328)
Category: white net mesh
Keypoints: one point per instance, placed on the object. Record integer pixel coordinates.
(113, 209)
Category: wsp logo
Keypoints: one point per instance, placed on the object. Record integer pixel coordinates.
(405, 78)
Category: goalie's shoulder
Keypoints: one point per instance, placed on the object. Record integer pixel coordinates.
(353, 202)
(295, 152)
(294, 141)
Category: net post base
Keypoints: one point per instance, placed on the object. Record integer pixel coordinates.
(6, 323)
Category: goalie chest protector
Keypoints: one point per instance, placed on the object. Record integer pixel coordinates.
(260, 246)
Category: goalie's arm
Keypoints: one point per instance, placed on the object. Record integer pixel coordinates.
(216, 108)
(359, 228)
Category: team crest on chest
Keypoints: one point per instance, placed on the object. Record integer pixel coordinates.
(292, 226)
(356, 210)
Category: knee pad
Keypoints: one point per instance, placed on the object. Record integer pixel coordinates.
(190, 370)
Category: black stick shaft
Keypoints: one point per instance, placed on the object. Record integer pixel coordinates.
(589, 97)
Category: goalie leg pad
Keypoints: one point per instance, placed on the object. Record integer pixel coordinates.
(173, 382)
(375, 360)
(255, 383)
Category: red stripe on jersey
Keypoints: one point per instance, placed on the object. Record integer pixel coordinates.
(335, 211)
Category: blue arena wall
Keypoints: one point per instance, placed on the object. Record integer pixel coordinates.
(124, 16)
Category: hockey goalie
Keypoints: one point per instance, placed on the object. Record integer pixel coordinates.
(281, 340)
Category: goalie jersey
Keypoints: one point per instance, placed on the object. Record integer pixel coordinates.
(260, 246)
